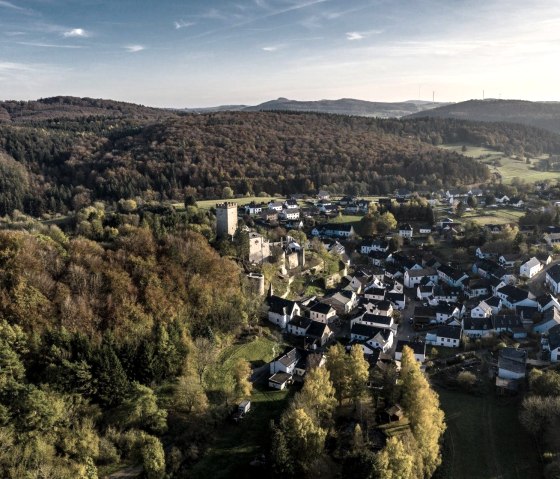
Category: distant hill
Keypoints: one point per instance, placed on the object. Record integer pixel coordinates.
(69, 107)
(348, 106)
(544, 115)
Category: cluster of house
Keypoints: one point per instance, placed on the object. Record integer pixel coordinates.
(367, 300)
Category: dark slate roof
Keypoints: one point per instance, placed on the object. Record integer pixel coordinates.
(377, 318)
(544, 299)
(364, 330)
(477, 324)
(300, 322)
(424, 312)
(452, 273)
(512, 359)
(445, 308)
(288, 357)
(395, 297)
(514, 293)
(507, 321)
(339, 227)
(417, 347)
(493, 301)
(280, 305)
(453, 332)
(322, 308)
(316, 329)
(554, 273)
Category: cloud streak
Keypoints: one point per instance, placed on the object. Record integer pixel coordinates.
(352, 36)
(182, 24)
(10, 5)
(134, 48)
(48, 45)
(75, 33)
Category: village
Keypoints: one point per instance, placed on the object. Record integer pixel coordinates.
(390, 291)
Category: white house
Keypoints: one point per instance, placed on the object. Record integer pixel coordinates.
(483, 310)
(383, 340)
(298, 325)
(447, 336)
(552, 278)
(413, 277)
(289, 214)
(478, 327)
(381, 308)
(375, 320)
(530, 268)
(322, 312)
(275, 205)
(551, 318)
(281, 310)
(285, 362)
(405, 231)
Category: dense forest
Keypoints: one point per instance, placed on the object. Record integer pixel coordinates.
(105, 350)
(63, 153)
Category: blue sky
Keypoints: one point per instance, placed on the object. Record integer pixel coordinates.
(205, 52)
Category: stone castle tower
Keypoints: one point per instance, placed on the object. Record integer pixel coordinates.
(226, 216)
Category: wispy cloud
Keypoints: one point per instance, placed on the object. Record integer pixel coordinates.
(75, 33)
(15, 67)
(183, 24)
(361, 35)
(134, 48)
(6, 4)
(272, 48)
(47, 45)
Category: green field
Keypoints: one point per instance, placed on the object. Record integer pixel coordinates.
(484, 439)
(493, 216)
(346, 219)
(207, 204)
(510, 167)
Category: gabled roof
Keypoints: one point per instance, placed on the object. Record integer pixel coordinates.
(513, 293)
(289, 357)
(477, 324)
(554, 273)
(317, 329)
(300, 322)
(512, 359)
(452, 332)
(531, 263)
(321, 308)
(507, 321)
(280, 305)
(364, 330)
(377, 318)
(545, 299)
(452, 273)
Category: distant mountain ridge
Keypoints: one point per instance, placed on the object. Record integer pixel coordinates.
(544, 115)
(348, 106)
(344, 106)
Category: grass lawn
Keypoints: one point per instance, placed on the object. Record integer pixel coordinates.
(493, 216)
(484, 439)
(260, 350)
(346, 219)
(238, 444)
(510, 167)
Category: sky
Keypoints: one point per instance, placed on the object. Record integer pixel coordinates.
(195, 53)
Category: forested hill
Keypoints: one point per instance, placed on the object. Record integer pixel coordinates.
(540, 114)
(62, 163)
(72, 158)
(71, 107)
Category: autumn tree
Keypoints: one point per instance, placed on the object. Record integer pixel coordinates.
(421, 405)
(394, 462)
